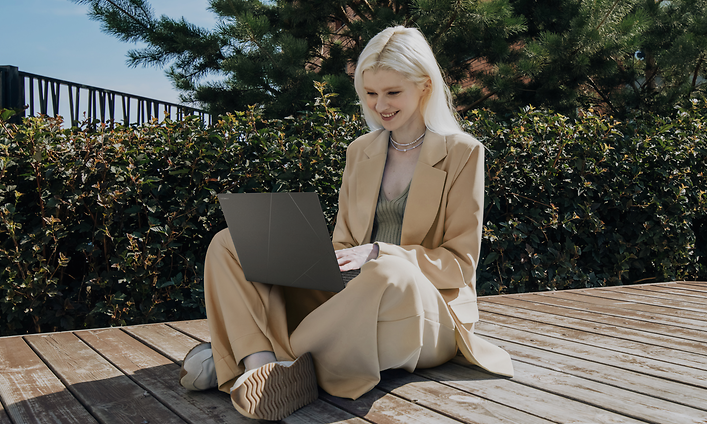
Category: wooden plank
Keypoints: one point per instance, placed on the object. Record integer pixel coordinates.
(198, 329)
(601, 335)
(4, 419)
(175, 345)
(494, 412)
(614, 294)
(321, 412)
(31, 392)
(603, 396)
(699, 286)
(643, 331)
(672, 291)
(382, 408)
(667, 292)
(452, 402)
(166, 340)
(661, 312)
(676, 392)
(108, 394)
(529, 399)
(642, 406)
(159, 376)
(577, 301)
(509, 329)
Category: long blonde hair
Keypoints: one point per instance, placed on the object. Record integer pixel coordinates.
(406, 50)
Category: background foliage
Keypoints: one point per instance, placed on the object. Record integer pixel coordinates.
(111, 227)
(593, 201)
(617, 55)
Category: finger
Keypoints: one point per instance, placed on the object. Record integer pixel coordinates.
(347, 267)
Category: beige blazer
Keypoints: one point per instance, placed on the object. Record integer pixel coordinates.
(442, 225)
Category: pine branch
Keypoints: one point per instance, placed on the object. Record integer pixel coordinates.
(697, 71)
(616, 3)
(650, 78)
(358, 12)
(370, 8)
(125, 12)
(252, 39)
(621, 67)
(313, 64)
(467, 108)
(445, 28)
(603, 96)
(343, 16)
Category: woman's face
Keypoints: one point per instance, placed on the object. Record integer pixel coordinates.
(396, 100)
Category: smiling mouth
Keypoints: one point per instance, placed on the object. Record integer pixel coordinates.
(388, 115)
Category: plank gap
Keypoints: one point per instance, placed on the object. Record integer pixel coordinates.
(592, 316)
(638, 352)
(603, 377)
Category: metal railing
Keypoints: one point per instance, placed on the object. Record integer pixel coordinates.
(36, 93)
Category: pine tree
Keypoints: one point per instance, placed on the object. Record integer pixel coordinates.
(270, 53)
(670, 64)
(617, 55)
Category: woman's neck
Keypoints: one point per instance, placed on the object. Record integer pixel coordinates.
(409, 133)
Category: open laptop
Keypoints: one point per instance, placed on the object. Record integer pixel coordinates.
(282, 238)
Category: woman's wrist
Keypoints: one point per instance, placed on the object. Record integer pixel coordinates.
(374, 252)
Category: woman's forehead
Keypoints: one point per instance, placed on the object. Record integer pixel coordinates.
(384, 78)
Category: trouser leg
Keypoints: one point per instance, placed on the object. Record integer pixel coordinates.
(390, 316)
(246, 317)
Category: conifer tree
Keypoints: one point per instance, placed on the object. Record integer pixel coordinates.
(271, 52)
(670, 63)
(617, 55)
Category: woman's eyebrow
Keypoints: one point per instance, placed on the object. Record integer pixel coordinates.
(392, 88)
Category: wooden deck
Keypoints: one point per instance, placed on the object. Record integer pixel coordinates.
(608, 355)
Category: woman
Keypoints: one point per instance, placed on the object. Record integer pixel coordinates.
(410, 217)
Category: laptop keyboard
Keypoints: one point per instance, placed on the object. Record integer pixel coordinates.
(349, 275)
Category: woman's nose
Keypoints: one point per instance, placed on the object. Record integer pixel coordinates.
(381, 104)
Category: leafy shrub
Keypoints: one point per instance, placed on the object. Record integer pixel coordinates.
(111, 227)
(593, 201)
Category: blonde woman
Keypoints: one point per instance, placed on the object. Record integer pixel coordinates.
(410, 218)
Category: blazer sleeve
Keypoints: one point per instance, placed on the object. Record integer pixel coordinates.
(342, 237)
(452, 263)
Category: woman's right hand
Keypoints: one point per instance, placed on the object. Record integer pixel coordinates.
(354, 257)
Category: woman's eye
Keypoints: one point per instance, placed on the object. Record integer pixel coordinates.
(393, 93)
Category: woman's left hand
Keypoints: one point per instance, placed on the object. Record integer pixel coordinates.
(355, 257)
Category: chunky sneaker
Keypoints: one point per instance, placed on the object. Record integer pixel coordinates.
(276, 390)
(198, 369)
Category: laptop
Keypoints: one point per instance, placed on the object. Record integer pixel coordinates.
(282, 239)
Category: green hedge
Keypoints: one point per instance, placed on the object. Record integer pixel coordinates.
(111, 227)
(593, 201)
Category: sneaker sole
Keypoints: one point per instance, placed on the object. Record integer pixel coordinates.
(183, 372)
(274, 391)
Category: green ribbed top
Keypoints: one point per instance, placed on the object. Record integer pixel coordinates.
(388, 223)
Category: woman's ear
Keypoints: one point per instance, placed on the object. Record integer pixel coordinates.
(428, 85)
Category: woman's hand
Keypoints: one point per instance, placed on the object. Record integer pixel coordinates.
(355, 257)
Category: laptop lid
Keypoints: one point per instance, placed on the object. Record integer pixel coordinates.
(282, 238)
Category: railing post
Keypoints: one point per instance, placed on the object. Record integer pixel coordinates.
(14, 82)
(12, 93)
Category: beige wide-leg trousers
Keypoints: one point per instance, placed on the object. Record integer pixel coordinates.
(390, 316)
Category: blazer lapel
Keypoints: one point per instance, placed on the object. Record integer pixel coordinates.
(425, 190)
(368, 182)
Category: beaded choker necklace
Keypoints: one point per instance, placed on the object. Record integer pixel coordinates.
(402, 147)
